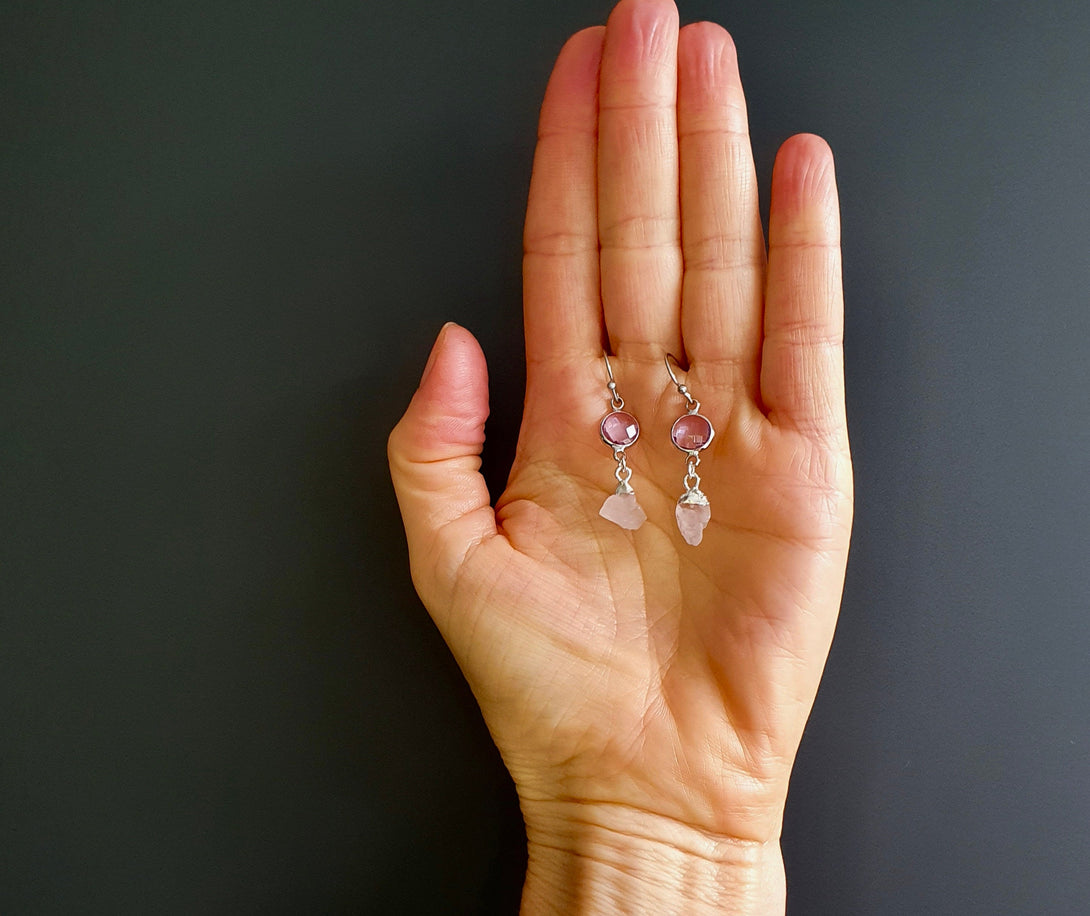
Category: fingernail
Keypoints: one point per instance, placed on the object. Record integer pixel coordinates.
(430, 364)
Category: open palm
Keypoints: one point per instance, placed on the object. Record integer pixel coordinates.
(633, 683)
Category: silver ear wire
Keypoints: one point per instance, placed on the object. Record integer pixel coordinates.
(694, 405)
(617, 400)
(666, 359)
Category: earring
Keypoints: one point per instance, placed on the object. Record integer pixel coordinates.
(619, 429)
(691, 433)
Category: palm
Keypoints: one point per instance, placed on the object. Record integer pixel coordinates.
(628, 668)
(659, 651)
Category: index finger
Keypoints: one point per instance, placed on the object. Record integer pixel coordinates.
(561, 304)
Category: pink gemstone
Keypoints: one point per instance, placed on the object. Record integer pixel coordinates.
(622, 509)
(692, 519)
(620, 429)
(692, 432)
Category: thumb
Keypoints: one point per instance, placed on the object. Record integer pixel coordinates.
(435, 459)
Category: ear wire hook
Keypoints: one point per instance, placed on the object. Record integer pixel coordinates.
(693, 404)
(609, 368)
(666, 359)
(618, 401)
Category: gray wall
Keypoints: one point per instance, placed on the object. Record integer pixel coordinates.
(228, 234)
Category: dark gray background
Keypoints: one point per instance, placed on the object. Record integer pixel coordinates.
(228, 234)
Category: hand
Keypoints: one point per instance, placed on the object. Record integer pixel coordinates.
(648, 696)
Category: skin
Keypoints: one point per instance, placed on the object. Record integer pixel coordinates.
(648, 697)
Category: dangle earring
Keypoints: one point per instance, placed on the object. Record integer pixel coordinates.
(691, 433)
(619, 429)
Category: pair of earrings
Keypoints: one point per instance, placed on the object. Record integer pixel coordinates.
(691, 433)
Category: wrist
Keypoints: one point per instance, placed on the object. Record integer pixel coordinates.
(595, 858)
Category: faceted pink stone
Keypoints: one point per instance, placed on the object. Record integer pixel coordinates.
(620, 429)
(692, 432)
(622, 509)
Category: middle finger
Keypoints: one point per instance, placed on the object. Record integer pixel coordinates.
(639, 220)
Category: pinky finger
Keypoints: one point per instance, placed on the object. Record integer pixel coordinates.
(802, 360)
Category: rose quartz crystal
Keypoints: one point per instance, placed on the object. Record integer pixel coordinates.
(622, 509)
(693, 514)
